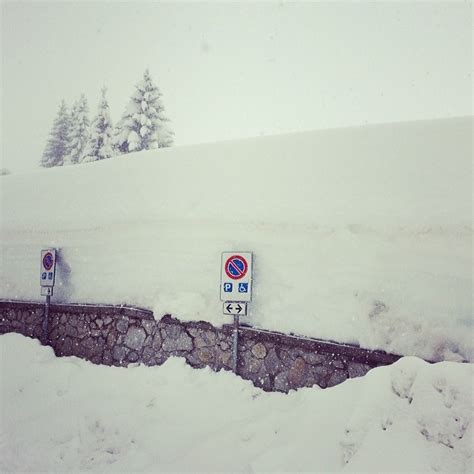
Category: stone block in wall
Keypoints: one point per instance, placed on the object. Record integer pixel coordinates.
(135, 337)
(273, 365)
(119, 354)
(149, 326)
(313, 358)
(122, 325)
(337, 377)
(259, 350)
(175, 339)
(223, 358)
(297, 373)
(357, 369)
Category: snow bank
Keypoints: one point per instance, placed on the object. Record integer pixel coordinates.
(360, 235)
(65, 415)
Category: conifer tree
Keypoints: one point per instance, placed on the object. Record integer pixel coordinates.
(57, 144)
(143, 126)
(78, 132)
(99, 145)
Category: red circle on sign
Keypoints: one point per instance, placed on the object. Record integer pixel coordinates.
(236, 267)
(48, 261)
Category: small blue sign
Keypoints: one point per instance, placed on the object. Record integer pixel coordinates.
(50, 275)
(43, 276)
(243, 287)
(228, 287)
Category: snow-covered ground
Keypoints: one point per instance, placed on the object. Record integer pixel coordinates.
(360, 235)
(67, 415)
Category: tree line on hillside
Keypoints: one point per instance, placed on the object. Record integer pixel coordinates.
(143, 126)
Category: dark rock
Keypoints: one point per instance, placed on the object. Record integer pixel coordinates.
(314, 358)
(273, 364)
(338, 364)
(173, 331)
(111, 340)
(337, 377)
(263, 381)
(107, 357)
(320, 371)
(119, 353)
(107, 320)
(122, 325)
(65, 346)
(254, 365)
(281, 382)
(54, 334)
(205, 355)
(91, 347)
(182, 343)
(132, 356)
(135, 337)
(205, 338)
(70, 330)
(259, 351)
(356, 369)
(148, 356)
(149, 326)
(157, 341)
(297, 373)
(223, 359)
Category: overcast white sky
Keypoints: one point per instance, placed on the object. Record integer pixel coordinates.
(230, 70)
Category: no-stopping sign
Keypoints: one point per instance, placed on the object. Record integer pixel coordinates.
(236, 276)
(48, 267)
(236, 267)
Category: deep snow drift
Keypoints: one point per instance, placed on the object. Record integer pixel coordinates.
(67, 415)
(360, 235)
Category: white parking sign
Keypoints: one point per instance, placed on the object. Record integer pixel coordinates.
(236, 276)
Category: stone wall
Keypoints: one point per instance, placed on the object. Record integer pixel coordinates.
(120, 335)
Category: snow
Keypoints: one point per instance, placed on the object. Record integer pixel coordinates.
(67, 415)
(360, 235)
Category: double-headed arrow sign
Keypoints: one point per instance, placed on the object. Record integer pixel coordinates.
(232, 307)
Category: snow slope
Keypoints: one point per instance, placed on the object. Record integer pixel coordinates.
(360, 235)
(67, 415)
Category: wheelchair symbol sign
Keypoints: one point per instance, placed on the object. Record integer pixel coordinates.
(243, 287)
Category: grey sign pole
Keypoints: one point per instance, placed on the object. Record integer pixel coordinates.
(235, 346)
(46, 320)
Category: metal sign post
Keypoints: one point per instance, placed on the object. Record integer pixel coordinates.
(47, 278)
(236, 292)
(235, 345)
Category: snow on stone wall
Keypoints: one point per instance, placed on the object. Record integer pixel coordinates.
(120, 336)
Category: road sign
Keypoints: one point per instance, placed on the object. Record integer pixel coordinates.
(46, 291)
(232, 308)
(236, 267)
(236, 276)
(48, 268)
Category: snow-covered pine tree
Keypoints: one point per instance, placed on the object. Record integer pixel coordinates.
(143, 126)
(99, 145)
(78, 132)
(57, 144)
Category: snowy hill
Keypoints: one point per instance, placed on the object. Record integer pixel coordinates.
(360, 235)
(67, 415)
